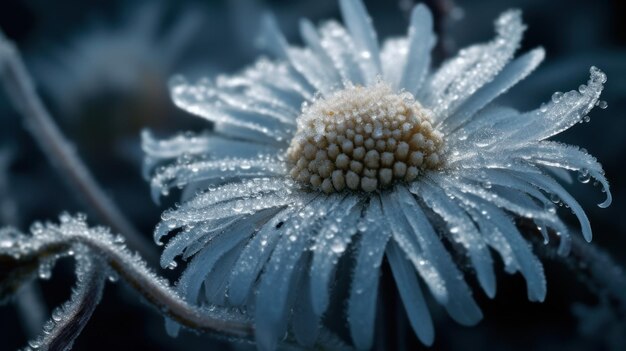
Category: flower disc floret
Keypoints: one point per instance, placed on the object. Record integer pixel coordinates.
(363, 138)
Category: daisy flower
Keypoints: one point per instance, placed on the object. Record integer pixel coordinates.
(339, 154)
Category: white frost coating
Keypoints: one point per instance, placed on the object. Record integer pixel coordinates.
(462, 230)
(274, 287)
(329, 245)
(411, 295)
(475, 66)
(510, 75)
(421, 40)
(364, 289)
(363, 34)
(393, 56)
(341, 49)
(263, 236)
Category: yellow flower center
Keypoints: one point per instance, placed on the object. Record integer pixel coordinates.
(363, 138)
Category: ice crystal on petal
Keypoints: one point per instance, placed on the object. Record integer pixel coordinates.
(270, 207)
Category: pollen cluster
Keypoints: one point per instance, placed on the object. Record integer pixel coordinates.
(363, 138)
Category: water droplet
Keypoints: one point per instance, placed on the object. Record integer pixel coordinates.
(584, 176)
(557, 96)
(338, 247)
(555, 198)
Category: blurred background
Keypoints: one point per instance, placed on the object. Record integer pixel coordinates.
(102, 67)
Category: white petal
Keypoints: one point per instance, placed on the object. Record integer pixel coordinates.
(512, 73)
(461, 229)
(460, 303)
(499, 226)
(254, 256)
(343, 53)
(421, 39)
(330, 244)
(305, 322)
(561, 113)
(276, 282)
(393, 57)
(363, 34)
(569, 157)
(475, 66)
(364, 289)
(411, 294)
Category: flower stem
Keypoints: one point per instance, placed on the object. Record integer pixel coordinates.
(21, 91)
(601, 274)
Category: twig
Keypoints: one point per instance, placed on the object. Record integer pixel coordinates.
(21, 91)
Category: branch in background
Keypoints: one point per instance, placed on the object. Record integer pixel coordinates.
(21, 91)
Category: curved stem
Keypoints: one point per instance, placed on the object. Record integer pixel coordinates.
(595, 267)
(69, 320)
(24, 254)
(21, 91)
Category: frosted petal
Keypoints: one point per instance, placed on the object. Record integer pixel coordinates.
(461, 229)
(561, 113)
(200, 99)
(182, 241)
(342, 52)
(363, 34)
(475, 66)
(402, 234)
(460, 303)
(364, 290)
(311, 69)
(393, 59)
(421, 39)
(182, 173)
(271, 326)
(215, 283)
(465, 187)
(305, 322)
(254, 256)
(276, 280)
(500, 227)
(510, 75)
(551, 186)
(569, 157)
(193, 276)
(411, 294)
(330, 244)
(313, 42)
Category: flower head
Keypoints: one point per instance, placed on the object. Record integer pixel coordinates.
(340, 153)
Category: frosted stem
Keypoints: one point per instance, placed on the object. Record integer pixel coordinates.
(601, 274)
(21, 91)
(70, 319)
(21, 255)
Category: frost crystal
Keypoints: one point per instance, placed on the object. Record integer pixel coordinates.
(261, 236)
